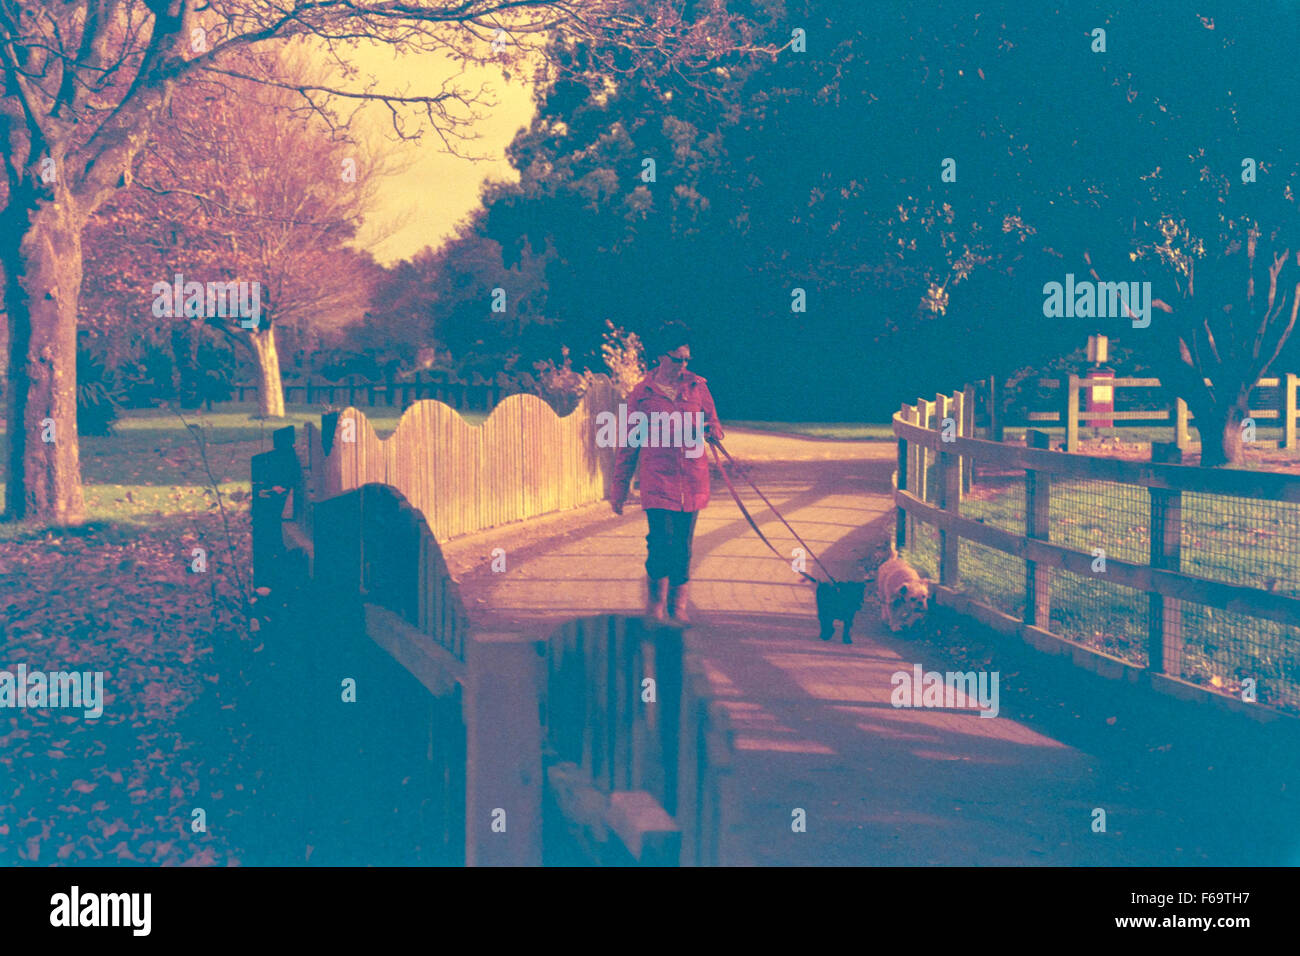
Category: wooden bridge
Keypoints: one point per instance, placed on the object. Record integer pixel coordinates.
(514, 710)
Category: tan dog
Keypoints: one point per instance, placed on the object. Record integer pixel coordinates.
(904, 594)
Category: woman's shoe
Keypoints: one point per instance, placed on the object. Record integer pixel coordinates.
(657, 600)
(680, 595)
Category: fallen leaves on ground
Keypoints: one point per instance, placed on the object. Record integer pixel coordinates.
(122, 788)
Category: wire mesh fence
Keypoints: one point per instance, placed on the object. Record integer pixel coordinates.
(994, 577)
(923, 549)
(1105, 519)
(1095, 611)
(1243, 541)
(998, 501)
(1146, 564)
(1223, 650)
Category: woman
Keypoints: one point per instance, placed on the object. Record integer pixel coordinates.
(674, 474)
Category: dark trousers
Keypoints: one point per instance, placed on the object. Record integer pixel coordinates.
(668, 545)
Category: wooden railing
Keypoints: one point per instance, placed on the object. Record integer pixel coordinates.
(997, 411)
(364, 617)
(636, 752)
(597, 742)
(933, 493)
(372, 542)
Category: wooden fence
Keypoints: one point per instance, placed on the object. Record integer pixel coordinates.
(636, 752)
(373, 543)
(551, 730)
(474, 395)
(996, 410)
(524, 461)
(278, 486)
(408, 735)
(558, 731)
(1198, 583)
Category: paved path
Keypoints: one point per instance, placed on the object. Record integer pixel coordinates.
(814, 726)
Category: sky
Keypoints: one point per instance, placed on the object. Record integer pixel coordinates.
(422, 204)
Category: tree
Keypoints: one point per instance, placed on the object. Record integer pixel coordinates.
(1118, 161)
(1226, 293)
(769, 216)
(214, 201)
(617, 176)
(446, 300)
(83, 84)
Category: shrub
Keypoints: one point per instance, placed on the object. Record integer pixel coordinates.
(624, 356)
(97, 406)
(560, 385)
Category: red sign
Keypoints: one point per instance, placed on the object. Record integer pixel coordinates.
(1101, 399)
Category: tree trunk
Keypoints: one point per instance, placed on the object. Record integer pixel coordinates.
(1219, 426)
(40, 246)
(270, 394)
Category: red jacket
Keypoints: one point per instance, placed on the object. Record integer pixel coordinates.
(670, 477)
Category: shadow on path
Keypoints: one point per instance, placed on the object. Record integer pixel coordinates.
(815, 730)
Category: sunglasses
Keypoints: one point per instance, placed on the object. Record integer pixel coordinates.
(679, 358)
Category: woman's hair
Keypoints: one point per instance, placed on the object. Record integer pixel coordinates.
(670, 335)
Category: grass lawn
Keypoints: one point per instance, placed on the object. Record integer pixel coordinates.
(150, 472)
(857, 431)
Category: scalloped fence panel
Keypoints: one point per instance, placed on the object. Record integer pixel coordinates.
(523, 461)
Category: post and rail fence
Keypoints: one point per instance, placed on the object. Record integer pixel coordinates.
(1275, 403)
(1189, 577)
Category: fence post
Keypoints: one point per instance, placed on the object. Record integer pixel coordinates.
(900, 519)
(949, 480)
(1182, 438)
(1289, 410)
(503, 749)
(914, 465)
(944, 409)
(1038, 510)
(265, 510)
(1165, 615)
(996, 432)
(1072, 415)
(967, 430)
(925, 414)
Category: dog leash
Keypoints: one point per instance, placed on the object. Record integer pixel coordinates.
(717, 446)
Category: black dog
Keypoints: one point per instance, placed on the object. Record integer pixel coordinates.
(839, 602)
